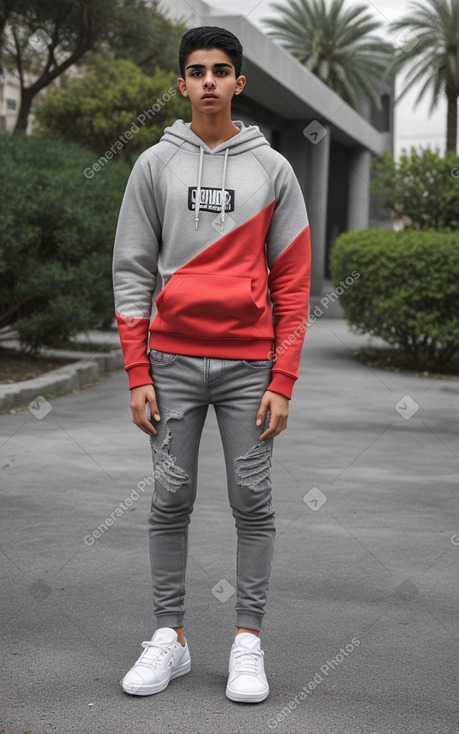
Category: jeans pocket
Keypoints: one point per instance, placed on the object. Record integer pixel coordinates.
(158, 357)
(259, 364)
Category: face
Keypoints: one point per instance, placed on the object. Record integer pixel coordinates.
(210, 80)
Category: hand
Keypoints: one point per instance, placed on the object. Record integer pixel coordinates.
(278, 405)
(140, 396)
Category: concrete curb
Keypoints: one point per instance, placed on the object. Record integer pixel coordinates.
(87, 369)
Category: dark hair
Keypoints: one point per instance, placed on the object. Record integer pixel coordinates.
(207, 37)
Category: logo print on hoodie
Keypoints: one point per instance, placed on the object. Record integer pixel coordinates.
(211, 199)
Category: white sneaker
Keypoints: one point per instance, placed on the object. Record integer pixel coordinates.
(247, 680)
(162, 660)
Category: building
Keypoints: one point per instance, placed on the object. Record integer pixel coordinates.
(328, 143)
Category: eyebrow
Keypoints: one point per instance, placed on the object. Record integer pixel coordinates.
(202, 66)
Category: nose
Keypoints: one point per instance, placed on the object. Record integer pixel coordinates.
(208, 80)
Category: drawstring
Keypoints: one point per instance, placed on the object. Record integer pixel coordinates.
(198, 189)
(222, 215)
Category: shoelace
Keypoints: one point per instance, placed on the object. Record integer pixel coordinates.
(150, 658)
(247, 661)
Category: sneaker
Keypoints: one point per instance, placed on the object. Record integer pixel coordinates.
(247, 680)
(162, 660)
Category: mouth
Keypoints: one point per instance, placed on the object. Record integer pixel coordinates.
(209, 96)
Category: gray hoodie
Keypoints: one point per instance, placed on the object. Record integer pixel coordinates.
(212, 254)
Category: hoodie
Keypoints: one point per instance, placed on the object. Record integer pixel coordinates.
(212, 255)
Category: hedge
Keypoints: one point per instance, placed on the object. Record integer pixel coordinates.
(406, 291)
(56, 239)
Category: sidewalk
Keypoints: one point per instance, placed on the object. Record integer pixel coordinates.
(361, 632)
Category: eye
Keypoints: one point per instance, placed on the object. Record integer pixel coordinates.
(196, 73)
(222, 72)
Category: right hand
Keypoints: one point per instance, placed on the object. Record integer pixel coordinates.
(140, 396)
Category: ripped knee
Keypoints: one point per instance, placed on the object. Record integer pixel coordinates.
(167, 472)
(253, 470)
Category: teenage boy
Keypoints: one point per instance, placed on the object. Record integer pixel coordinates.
(211, 269)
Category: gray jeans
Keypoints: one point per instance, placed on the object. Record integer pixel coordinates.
(185, 387)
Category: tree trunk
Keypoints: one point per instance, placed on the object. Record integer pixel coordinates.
(83, 44)
(451, 121)
(24, 111)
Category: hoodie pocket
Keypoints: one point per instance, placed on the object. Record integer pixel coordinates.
(208, 306)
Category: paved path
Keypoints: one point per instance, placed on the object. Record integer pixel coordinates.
(364, 594)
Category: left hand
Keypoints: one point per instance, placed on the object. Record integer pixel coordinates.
(278, 406)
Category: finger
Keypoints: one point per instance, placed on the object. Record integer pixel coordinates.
(142, 422)
(270, 431)
(276, 426)
(262, 411)
(154, 411)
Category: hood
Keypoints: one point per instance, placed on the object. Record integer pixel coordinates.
(181, 135)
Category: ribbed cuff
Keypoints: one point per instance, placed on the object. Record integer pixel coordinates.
(170, 620)
(249, 621)
(282, 384)
(139, 375)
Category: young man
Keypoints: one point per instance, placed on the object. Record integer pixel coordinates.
(212, 233)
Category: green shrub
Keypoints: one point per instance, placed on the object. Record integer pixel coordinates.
(56, 238)
(421, 187)
(113, 107)
(407, 290)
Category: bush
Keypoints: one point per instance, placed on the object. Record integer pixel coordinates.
(56, 238)
(113, 107)
(421, 187)
(406, 292)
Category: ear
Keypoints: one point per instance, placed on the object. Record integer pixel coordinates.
(182, 86)
(240, 84)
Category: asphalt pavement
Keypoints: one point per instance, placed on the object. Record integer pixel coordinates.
(361, 633)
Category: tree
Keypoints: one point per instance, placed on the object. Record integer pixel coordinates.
(335, 44)
(43, 38)
(113, 99)
(429, 45)
(421, 187)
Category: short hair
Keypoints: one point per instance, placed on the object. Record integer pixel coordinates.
(207, 37)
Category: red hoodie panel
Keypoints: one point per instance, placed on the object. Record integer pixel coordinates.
(216, 304)
(289, 286)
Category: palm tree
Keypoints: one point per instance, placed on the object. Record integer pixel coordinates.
(335, 44)
(430, 37)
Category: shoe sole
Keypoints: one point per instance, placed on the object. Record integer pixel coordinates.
(158, 687)
(246, 697)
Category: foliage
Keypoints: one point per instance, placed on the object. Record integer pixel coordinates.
(335, 44)
(427, 45)
(56, 238)
(44, 38)
(421, 186)
(100, 107)
(406, 292)
(152, 43)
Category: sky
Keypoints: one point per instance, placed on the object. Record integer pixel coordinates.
(413, 126)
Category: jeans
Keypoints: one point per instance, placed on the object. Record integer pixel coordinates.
(185, 387)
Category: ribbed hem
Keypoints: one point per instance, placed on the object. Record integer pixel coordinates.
(282, 384)
(249, 621)
(139, 375)
(224, 348)
(170, 620)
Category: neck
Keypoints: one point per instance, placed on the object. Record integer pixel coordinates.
(213, 129)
